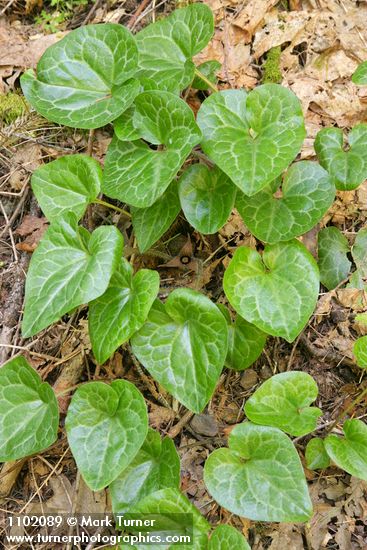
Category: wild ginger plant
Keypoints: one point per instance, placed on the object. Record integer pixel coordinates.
(101, 74)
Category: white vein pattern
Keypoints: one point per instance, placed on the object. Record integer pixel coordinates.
(183, 345)
(166, 48)
(152, 222)
(252, 137)
(106, 425)
(67, 184)
(29, 413)
(122, 310)
(207, 197)
(70, 267)
(138, 175)
(348, 168)
(284, 402)
(260, 476)
(85, 79)
(277, 291)
(307, 193)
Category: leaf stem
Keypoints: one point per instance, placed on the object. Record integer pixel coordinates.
(109, 205)
(210, 84)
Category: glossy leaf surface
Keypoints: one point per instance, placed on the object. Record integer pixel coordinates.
(307, 193)
(334, 265)
(155, 467)
(106, 425)
(183, 345)
(166, 47)
(122, 310)
(283, 402)
(260, 476)
(347, 167)
(139, 175)
(209, 69)
(277, 291)
(350, 452)
(174, 512)
(67, 184)
(207, 197)
(70, 267)
(245, 343)
(316, 455)
(226, 537)
(252, 137)
(152, 222)
(29, 413)
(85, 79)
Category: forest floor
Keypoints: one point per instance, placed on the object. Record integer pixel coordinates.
(321, 43)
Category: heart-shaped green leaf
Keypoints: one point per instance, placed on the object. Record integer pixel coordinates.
(360, 352)
(283, 402)
(334, 265)
(183, 345)
(67, 184)
(70, 267)
(138, 175)
(276, 292)
(174, 515)
(360, 74)
(29, 413)
(226, 537)
(358, 278)
(260, 476)
(155, 467)
(122, 310)
(166, 47)
(207, 197)
(350, 452)
(307, 193)
(106, 426)
(245, 342)
(316, 455)
(347, 167)
(152, 222)
(252, 137)
(208, 69)
(85, 79)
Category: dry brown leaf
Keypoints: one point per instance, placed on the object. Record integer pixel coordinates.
(286, 536)
(160, 416)
(19, 51)
(33, 229)
(252, 14)
(278, 29)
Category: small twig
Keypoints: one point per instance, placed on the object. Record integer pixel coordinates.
(7, 6)
(91, 12)
(133, 19)
(291, 357)
(90, 142)
(16, 212)
(175, 430)
(347, 410)
(45, 481)
(146, 12)
(8, 225)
